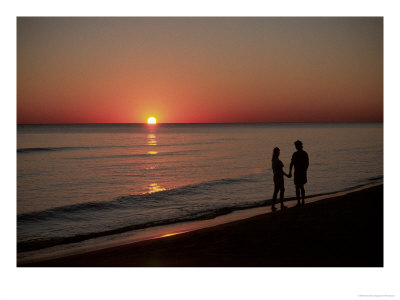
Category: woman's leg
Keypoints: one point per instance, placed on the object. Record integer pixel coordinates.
(276, 189)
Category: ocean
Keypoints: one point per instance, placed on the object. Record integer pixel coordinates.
(86, 184)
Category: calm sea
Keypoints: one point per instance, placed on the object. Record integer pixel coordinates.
(77, 183)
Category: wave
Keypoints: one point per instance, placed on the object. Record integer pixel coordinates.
(151, 154)
(122, 202)
(42, 243)
(129, 202)
(46, 149)
(53, 149)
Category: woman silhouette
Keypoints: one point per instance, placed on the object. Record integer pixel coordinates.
(277, 167)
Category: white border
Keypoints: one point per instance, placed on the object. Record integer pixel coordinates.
(248, 283)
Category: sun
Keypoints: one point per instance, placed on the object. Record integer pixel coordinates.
(152, 120)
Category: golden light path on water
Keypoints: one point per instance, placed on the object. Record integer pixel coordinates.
(152, 141)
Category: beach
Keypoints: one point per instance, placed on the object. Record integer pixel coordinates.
(344, 231)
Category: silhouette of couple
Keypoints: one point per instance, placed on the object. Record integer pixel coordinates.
(300, 163)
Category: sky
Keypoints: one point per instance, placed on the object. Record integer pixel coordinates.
(199, 70)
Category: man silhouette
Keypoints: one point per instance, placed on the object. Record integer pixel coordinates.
(300, 163)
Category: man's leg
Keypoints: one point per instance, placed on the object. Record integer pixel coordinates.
(298, 194)
(303, 194)
(282, 195)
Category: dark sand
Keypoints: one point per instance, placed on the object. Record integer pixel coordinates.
(345, 231)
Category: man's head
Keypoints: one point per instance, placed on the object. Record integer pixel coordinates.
(298, 144)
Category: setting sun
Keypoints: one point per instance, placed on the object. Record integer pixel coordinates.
(151, 120)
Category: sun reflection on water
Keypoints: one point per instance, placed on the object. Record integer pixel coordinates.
(151, 139)
(175, 233)
(154, 187)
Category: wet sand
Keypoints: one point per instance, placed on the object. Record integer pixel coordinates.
(344, 231)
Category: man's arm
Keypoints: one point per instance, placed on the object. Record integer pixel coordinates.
(307, 161)
(291, 166)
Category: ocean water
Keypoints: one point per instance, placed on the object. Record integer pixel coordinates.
(77, 183)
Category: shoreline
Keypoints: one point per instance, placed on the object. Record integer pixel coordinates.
(223, 237)
(161, 231)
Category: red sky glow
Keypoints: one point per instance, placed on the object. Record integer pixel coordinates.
(199, 70)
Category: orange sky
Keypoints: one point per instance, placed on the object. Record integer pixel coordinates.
(190, 70)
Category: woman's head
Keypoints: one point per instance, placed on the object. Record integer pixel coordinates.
(276, 152)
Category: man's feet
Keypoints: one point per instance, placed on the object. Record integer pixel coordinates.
(283, 207)
(297, 205)
(273, 208)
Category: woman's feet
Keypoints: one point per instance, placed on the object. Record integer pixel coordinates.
(273, 208)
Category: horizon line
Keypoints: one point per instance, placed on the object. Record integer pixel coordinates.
(196, 123)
